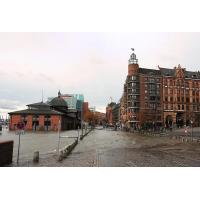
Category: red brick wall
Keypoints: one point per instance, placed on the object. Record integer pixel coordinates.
(132, 69)
(14, 119)
(86, 112)
(109, 116)
(100, 116)
(29, 122)
(41, 120)
(54, 122)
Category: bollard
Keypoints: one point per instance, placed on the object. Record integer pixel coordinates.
(60, 158)
(36, 157)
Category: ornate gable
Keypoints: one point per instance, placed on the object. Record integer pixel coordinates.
(180, 72)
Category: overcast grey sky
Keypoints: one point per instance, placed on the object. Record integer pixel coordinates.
(94, 64)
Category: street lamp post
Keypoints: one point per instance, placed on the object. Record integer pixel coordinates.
(192, 130)
(82, 118)
(59, 127)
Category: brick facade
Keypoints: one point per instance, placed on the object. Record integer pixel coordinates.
(15, 119)
(163, 96)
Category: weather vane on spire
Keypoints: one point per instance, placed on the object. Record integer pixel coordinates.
(132, 49)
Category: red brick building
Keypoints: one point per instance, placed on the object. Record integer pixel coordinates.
(90, 115)
(181, 96)
(161, 97)
(45, 117)
(99, 117)
(86, 112)
(109, 113)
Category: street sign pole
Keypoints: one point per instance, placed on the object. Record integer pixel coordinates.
(20, 127)
(18, 147)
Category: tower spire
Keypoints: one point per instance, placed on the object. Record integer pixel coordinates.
(59, 93)
(133, 59)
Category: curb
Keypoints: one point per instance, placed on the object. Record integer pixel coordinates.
(154, 134)
(185, 139)
(67, 150)
(64, 153)
(82, 136)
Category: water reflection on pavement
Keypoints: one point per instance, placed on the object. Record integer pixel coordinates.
(45, 143)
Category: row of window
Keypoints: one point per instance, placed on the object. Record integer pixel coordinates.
(181, 107)
(181, 83)
(180, 91)
(134, 90)
(133, 84)
(182, 99)
(153, 106)
(133, 110)
(133, 97)
(133, 78)
(152, 86)
(133, 104)
(151, 80)
(152, 92)
(35, 117)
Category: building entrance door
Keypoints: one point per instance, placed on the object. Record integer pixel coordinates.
(169, 121)
(180, 120)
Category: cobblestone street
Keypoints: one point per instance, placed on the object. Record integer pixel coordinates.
(106, 148)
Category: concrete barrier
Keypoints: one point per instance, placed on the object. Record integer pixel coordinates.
(6, 152)
(67, 150)
(82, 136)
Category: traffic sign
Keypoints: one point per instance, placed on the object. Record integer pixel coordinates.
(20, 125)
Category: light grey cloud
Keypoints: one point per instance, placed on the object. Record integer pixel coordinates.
(7, 104)
(94, 64)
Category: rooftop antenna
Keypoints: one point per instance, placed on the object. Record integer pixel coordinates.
(42, 95)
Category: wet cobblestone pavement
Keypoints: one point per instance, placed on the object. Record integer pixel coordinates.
(106, 148)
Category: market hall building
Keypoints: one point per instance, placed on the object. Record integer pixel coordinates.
(46, 117)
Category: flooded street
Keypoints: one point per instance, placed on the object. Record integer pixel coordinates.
(45, 143)
(106, 148)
